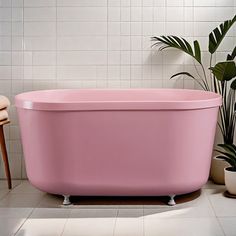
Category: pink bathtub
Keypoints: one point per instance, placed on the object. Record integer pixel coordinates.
(144, 142)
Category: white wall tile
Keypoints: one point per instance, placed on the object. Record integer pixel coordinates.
(174, 14)
(17, 3)
(82, 43)
(5, 58)
(82, 13)
(89, 3)
(5, 3)
(39, 3)
(114, 14)
(204, 14)
(40, 14)
(125, 14)
(5, 72)
(5, 29)
(81, 28)
(44, 58)
(82, 58)
(39, 43)
(5, 14)
(147, 14)
(76, 72)
(44, 73)
(39, 29)
(175, 3)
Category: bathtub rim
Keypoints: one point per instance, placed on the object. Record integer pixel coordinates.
(214, 100)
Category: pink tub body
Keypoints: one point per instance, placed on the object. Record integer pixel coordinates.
(118, 142)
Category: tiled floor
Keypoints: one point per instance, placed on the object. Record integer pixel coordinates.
(25, 211)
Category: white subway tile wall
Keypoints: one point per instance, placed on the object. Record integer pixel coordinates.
(48, 44)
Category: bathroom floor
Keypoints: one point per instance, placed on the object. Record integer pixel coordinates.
(25, 211)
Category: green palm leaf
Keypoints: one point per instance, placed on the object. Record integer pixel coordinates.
(218, 34)
(180, 44)
(202, 84)
(231, 56)
(227, 154)
(229, 148)
(233, 85)
(224, 71)
(231, 162)
(182, 73)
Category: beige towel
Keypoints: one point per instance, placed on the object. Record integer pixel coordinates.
(4, 102)
(3, 115)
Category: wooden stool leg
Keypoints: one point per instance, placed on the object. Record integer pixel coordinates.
(5, 157)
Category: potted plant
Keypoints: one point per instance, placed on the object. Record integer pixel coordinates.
(225, 72)
(229, 155)
(218, 79)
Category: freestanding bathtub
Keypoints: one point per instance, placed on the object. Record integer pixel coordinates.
(144, 142)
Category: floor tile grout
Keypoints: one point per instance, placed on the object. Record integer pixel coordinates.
(114, 228)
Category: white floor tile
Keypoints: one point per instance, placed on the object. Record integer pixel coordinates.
(223, 206)
(3, 193)
(130, 206)
(89, 227)
(95, 206)
(9, 226)
(20, 200)
(42, 227)
(14, 212)
(229, 225)
(3, 184)
(129, 222)
(93, 213)
(182, 227)
(48, 213)
(25, 187)
(51, 201)
(46, 216)
(199, 207)
(129, 227)
(130, 213)
(210, 185)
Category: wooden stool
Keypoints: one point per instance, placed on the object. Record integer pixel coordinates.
(4, 152)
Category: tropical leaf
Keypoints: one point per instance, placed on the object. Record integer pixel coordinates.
(218, 34)
(233, 85)
(183, 73)
(231, 162)
(197, 51)
(229, 148)
(191, 76)
(227, 154)
(224, 71)
(230, 57)
(180, 44)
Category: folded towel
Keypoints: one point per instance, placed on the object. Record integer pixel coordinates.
(4, 102)
(3, 115)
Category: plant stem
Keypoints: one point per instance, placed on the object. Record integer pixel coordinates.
(211, 76)
(204, 73)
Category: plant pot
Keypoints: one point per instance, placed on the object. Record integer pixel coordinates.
(217, 170)
(230, 180)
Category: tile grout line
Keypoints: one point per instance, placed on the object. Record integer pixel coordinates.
(20, 226)
(215, 216)
(116, 218)
(143, 221)
(64, 226)
(221, 226)
(56, 66)
(107, 50)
